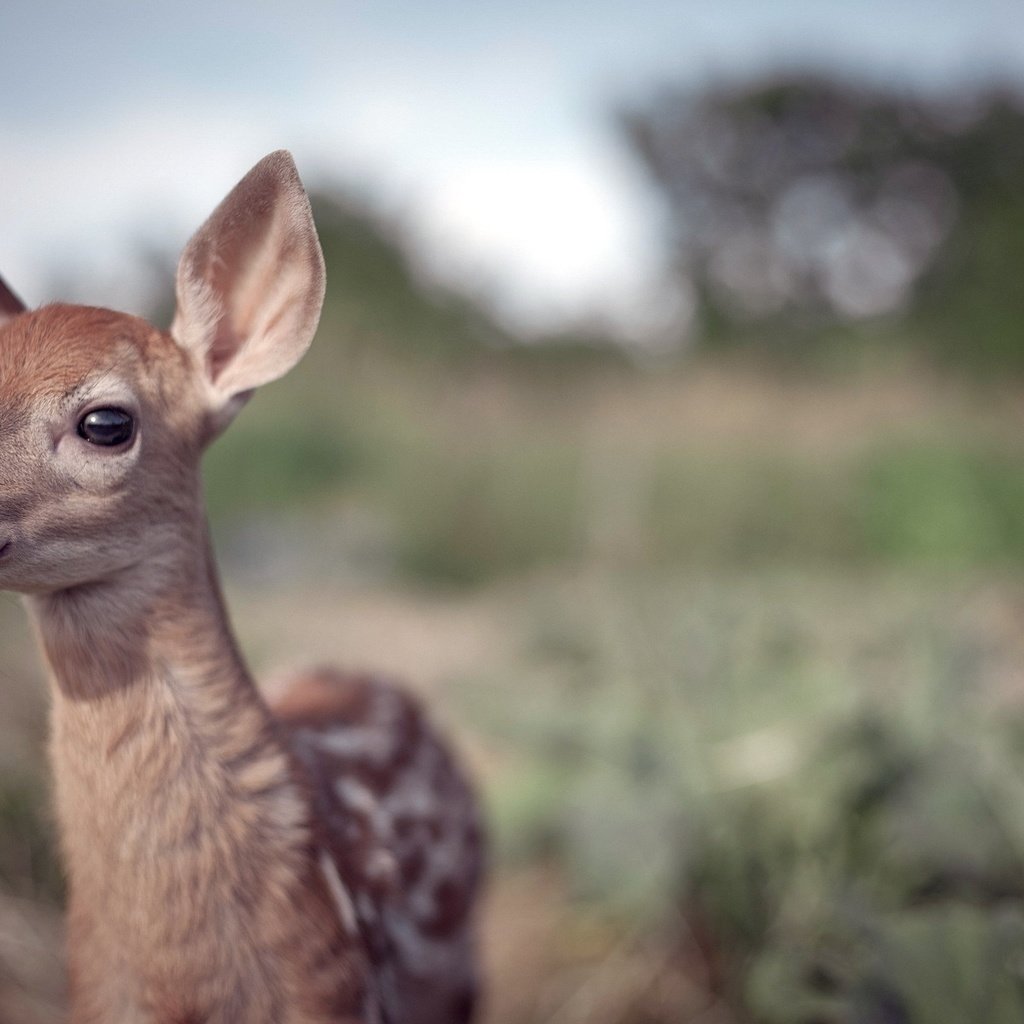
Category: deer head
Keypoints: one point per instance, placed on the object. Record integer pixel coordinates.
(103, 417)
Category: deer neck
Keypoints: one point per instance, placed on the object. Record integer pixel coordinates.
(172, 788)
(156, 634)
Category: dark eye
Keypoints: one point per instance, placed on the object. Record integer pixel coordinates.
(107, 427)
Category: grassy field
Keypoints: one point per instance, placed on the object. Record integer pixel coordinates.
(735, 656)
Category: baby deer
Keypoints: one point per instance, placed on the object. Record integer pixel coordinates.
(229, 862)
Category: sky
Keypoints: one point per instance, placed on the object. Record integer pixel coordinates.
(485, 128)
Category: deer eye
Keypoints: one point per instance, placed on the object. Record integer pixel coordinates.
(107, 427)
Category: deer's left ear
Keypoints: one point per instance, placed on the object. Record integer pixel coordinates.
(10, 304)
(250, 285)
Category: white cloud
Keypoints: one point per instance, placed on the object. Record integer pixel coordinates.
(551, 239)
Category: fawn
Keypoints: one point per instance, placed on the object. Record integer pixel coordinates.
(229, 862)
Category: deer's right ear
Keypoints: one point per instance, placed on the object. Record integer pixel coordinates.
(10, 304)
(250, 285)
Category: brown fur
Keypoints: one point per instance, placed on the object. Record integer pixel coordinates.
(225, 864)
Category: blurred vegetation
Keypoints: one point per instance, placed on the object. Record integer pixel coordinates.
(744, 711)
(466, 498)
(817, 803)
(800, 203)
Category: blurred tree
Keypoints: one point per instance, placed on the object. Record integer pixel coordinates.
(801, 202)
(377, 299)
(380, 300)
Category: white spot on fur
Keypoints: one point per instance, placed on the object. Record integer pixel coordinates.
(346, 911)
(362, 743)
(382, 866)
(355, 796)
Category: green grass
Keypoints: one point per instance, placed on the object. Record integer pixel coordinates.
(954, 504)
(273, 464)
(473, 481)
(468, 517)
(28, 859)
(805, 779)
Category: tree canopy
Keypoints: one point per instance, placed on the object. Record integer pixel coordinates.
(802, 201)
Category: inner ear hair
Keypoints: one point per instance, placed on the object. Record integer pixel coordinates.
(250, 282)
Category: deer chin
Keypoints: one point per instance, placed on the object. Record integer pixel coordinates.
(30, 566)
(11, 567)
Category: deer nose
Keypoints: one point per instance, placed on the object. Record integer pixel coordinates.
(5, 547)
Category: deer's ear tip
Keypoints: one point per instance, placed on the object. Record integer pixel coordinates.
(10, 304)
(250, 283)
(275, 173)
(280, 163)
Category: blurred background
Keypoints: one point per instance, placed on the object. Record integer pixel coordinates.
(664, 428)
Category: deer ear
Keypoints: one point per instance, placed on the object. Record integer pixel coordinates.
(10, 304)
(250, 285)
